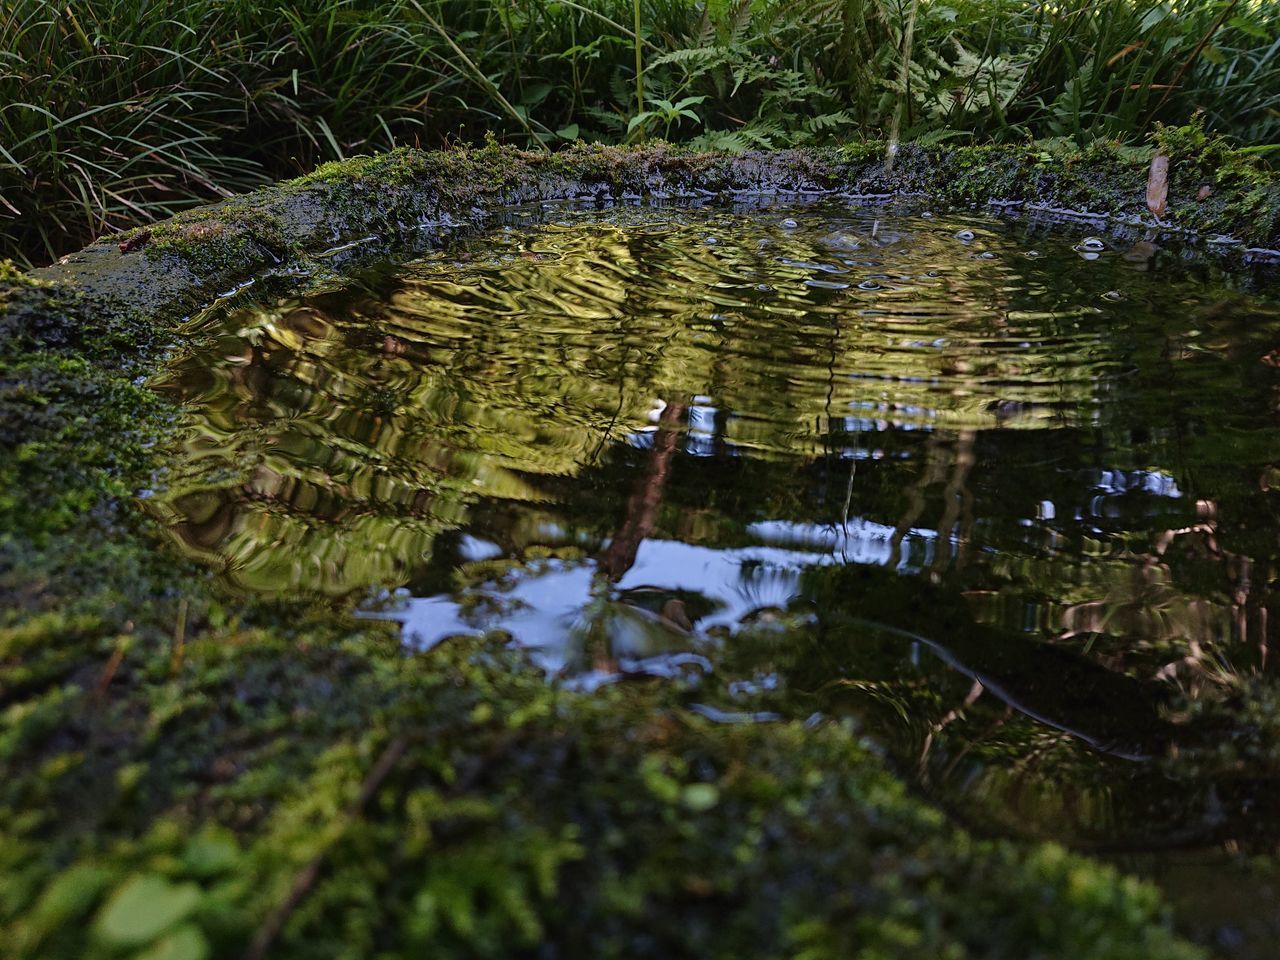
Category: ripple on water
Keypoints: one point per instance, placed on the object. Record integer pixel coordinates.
(633, 448)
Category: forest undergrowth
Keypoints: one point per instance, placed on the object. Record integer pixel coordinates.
(120, 112)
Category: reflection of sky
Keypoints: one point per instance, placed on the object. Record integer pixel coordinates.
(548, 607)
(1103, 487)
(1155, 482)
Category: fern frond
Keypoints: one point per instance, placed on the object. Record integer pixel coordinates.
(731, 141)
(705, 57)
(828, 121)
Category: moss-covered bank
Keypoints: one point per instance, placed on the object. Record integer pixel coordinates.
(182, 776)
(1216, 198)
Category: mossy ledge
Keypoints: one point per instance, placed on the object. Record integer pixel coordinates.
(1217, 199)
(184, 775)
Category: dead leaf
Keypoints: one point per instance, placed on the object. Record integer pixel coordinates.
(135, 242)
(1158, 185)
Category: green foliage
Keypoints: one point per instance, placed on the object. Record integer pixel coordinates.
(47, 405)
(142, 908)
(111, 115)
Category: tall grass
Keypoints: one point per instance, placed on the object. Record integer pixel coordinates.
(113, 112)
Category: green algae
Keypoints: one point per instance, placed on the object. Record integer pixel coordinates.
(160, 736)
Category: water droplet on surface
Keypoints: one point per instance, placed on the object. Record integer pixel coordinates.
(964, 236)
(1113, 295)
(789, 224)
(1091, 245)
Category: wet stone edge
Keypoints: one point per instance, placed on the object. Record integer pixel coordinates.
(122, 291)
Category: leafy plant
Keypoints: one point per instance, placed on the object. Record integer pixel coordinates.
(667, 112)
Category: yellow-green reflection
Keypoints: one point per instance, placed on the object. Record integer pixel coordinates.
(1029, 428)
(357, 428)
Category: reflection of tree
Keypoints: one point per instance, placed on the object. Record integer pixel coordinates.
(1148, 607)
(359, 426)
(948, 459)
(619, 556)
(642, 506)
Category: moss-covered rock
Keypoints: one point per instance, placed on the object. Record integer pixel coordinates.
(321, 788)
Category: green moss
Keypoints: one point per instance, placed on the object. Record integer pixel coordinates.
(12, 276)
(221, 241)
(73, 436)
(398, 167)
(516, 815)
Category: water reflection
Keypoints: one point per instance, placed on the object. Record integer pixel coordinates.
(864, 466)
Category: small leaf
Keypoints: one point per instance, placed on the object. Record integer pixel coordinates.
(689, 102)
(535, 94)
(568, 133)
(700, 797)
(1249, 27)
(68, 897)
(1214, 54)
(185, 943)
(211, 852)
(1153, 16)
(143, 908)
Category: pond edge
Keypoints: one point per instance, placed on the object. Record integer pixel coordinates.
(139, 283)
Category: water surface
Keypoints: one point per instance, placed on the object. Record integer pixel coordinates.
(1009, 501)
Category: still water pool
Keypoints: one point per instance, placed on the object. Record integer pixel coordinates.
(1011, 502)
